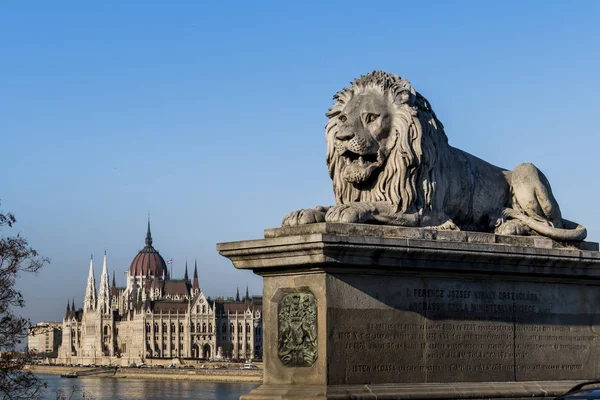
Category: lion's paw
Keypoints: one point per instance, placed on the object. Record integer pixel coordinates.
(349, 214)
(449, 225)
(304, 216)
(512, 227)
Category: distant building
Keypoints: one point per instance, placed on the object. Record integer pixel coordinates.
(156, 316)
(45, 338)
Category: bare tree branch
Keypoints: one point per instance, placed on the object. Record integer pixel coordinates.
(15, 257)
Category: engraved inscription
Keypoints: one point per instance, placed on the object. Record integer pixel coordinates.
(439, 330)
(297, 329)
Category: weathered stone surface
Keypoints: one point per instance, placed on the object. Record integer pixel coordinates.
(396, 307)
(346, 229)
(446, 391)
(390, 163)
(387, 329)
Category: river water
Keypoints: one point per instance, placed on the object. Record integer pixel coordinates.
(142, 389)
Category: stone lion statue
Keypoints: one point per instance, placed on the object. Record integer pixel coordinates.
(390, 163)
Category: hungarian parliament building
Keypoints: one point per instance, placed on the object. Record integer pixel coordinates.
(156, 316)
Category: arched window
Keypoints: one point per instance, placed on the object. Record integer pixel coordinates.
(203, 309)
(231, 328)
(172, 327)
(239, 328)
(106, 330)
(209, 327)
(180, 327)
(147, 328)
(247, 328)
(164, 326)
(156, 327)
(203, 328)
(197, 309)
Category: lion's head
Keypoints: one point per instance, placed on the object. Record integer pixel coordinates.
(382, 143)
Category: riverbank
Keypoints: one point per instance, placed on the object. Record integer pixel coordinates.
(206, 375)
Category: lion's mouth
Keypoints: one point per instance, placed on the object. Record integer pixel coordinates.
(359, 159)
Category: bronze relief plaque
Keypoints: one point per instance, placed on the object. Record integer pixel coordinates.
(297, 329)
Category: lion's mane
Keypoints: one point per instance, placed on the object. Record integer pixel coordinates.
(408, 177)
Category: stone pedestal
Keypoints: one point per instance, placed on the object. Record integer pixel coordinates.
(362, 311)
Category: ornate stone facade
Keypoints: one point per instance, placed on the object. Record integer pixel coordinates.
(155, 316)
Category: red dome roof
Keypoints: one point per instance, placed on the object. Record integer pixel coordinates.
(148, 261)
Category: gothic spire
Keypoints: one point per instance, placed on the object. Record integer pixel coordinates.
(148, 235)
(247, 296)
(195, 285)
(185, 277)
(90, 290)
(68, 314)
(237, 294)
(114, 284)
(104, 295)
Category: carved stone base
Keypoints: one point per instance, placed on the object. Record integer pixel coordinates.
(361, 311)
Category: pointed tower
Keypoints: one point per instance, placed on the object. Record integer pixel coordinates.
(237, 294)
(73, 308)
(247, 296)
(68, 314)
(186, 277)
(104, 293)
(90, 290)
(195, 286)
(148, 235)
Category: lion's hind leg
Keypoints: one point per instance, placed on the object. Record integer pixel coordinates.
(533, 196)
(535, 207)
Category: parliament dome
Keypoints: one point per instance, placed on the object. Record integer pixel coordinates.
(148, 261)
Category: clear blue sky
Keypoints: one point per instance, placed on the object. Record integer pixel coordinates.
(210, 115)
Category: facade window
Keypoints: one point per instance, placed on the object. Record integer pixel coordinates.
(172, 327)
(192, 328)
(147, 328)
(197, 309)
(209, 327)
(247, 328)
(203, 328)
(180, 327)
(239, 328)
(164, 326)
(203, 309)
(105, 331)
(230, 328)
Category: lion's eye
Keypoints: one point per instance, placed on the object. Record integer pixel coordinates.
(371, 118)
(343, 118)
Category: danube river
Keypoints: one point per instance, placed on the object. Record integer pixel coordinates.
(134, 389)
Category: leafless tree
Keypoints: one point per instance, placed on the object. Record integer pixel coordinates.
(16, 257)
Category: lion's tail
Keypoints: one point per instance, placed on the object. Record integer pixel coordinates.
(572, 231)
